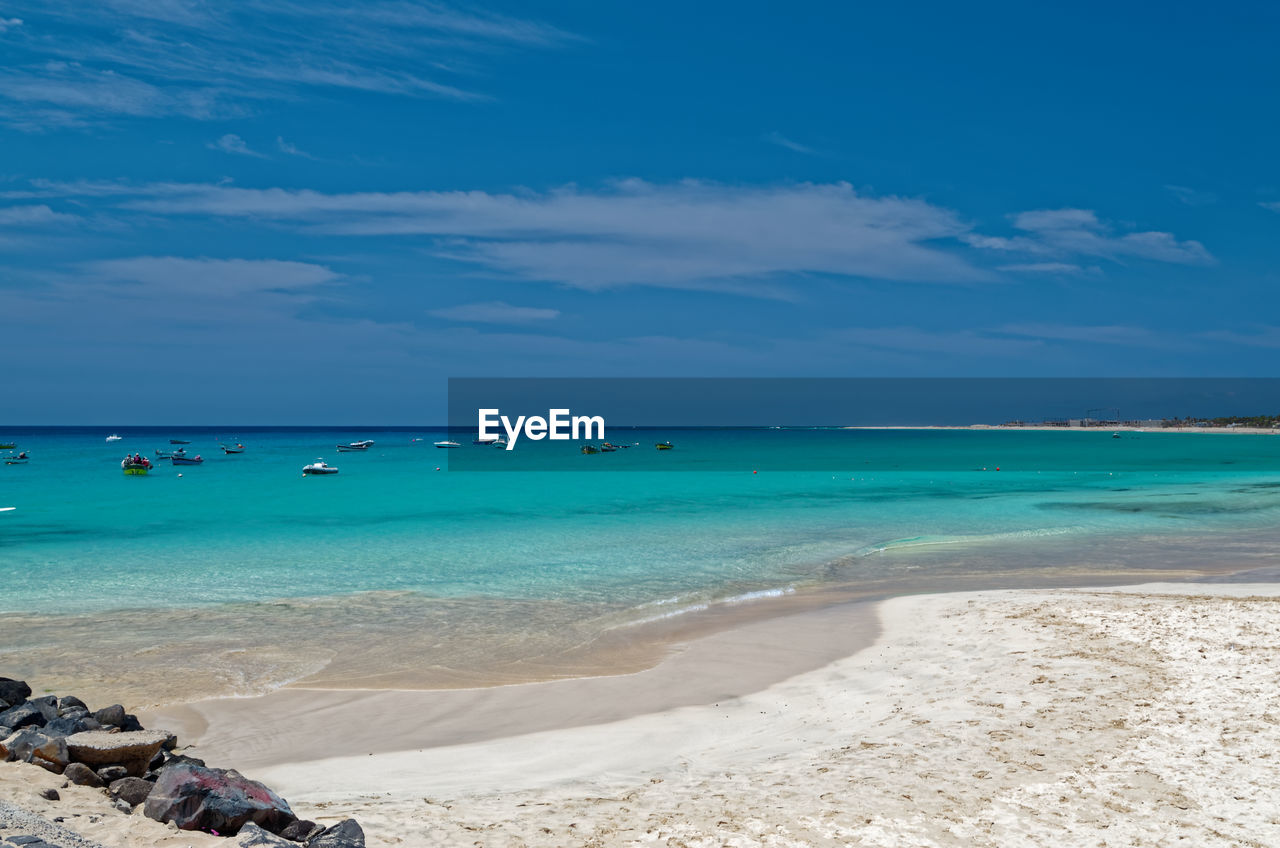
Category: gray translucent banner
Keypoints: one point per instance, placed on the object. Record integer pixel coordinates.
(863, 424)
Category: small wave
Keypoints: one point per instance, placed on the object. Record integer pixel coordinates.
(703, 606)
(976, 538)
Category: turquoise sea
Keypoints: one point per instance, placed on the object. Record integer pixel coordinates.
(240, 574)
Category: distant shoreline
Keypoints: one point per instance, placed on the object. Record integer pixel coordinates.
(1247, 431)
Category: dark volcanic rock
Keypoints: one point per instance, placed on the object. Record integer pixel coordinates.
(181, 759)
(198, 798)
(23, 715)
(50, 795)
(110, 774)
(32, 745)
(345, 834)
(47, 705)
(133, 790)
(13, 691)
(113, 715)
(301, 830)
(65, 726)
(81, 775)
(71, 702)
(131, 723)
(252, 836)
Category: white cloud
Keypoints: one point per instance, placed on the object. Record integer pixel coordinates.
(686, 235)
(1043, 268)
(292, 149)
(125, 58)
(1191, 196)
(232, 143)
(209, 277)
(495, 312)
(794, 146)
(33, 216)
(1273, 205)
(7, 24)
(1079, 232)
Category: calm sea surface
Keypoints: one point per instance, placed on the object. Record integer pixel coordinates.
(240, 574)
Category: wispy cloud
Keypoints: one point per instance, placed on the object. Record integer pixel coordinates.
(7, 24)
(1108, 334)
(204, 277)
(1046, 268)
(683, 235)
(1079, 232)
(1273, 205)
(293, 150)
(123, 58)
(794, 146)
(495, 312)
(33, 216)
(1191, 196)
(232, 143)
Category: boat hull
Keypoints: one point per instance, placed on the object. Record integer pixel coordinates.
(178, 460)
(136, 471)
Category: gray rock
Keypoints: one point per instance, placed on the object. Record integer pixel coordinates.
(110, 774)
(65, 726)
(23, 715)
(345, 834)
(133, 750)
(81, 775)
(181, 759)
(198, 798)
(252, 836)
(131, 790)
(301, 830)
(131, 723)
(47, 705)
(13, 691)
(123, 806)
(50, 795)
(33, 745)
(113, 715)
(71, 702)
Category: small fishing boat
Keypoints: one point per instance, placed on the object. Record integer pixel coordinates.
(318, 467)
(608, 448)
(179, 442)
(664, 446)
(1115, 435)
(590, 449)
(239, 448)
(186, 460)
(8, 445)
(16, 458)
(448, 444)
(136, 465)
(353, 446)
(114, 437)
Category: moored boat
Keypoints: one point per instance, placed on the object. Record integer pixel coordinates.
(238, 448)
(353, 446)
(16, 458)
(590, 449)
(179, 442)
(136, 465)
(114, 437)
(448, 444)
(608, 448)
(318, 467)
(664, 446)
(8, 445)
(186, 460)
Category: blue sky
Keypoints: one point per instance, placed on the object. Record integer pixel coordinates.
(284, 212)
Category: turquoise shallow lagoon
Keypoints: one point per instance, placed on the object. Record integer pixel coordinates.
(241, 574)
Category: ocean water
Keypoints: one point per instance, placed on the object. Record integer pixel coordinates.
(240, 575)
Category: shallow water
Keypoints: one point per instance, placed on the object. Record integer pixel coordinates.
(240, 575)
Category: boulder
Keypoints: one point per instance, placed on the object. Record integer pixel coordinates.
(65, 726)
(344, 834)
(198, 798)
(23, 715)
(13, 691)
(252, 836)
(113, 715)
(133, 750)
(47, 705)
(71, 702)
(131, 723)
(132, 790)
(50, 794)
(110, 774)
(301, 831)
(81, 775)
(181, 759)
(32, 745)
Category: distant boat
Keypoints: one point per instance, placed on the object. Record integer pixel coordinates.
(353, 446)
(590, 449)
(114, 437)
(318, 467)
(136, 465)
(608, 448)
(166, 454)
(1115, 435)
(179, 442)
(448, 444)
(8, 445)
(186, 460)
(664, 446)
(237, 449)
(16, 459)
(499, 443)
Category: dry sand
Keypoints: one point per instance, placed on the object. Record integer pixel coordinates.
(1138, 716)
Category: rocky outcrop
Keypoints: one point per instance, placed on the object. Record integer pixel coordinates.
(13, 691)
(200, 798)
(132, 750)
(345, 834)
(252, 836)
(132, 790)
(81, 775)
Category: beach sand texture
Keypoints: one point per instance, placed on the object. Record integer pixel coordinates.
(1138, 717)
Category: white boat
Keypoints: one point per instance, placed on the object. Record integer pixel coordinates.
(114, 437)
(448, 444)
(319, 467)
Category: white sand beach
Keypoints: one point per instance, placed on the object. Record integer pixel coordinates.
(1141, 715)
